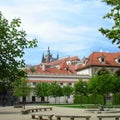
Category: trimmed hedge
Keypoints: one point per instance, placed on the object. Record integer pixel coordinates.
(116, 99)
(91, 99)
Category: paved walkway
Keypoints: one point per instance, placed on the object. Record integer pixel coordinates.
(11, 113)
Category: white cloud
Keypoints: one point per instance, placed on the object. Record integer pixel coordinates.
(69, 26)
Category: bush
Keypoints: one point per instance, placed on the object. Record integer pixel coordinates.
(88, 99)
(116, 99)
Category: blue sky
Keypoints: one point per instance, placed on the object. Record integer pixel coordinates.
(68, 27)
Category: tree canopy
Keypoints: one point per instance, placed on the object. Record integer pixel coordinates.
(13, 42)
(113, 33)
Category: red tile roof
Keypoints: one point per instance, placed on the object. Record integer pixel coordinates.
(59, 61)
(93, 60)
(39, 70)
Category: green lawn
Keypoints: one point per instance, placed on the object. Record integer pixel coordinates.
(83, 106)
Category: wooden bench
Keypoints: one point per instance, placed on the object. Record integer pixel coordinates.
(108, 116)
(41, 115)
(72, 117)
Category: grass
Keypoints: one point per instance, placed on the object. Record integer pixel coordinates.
(83, 106)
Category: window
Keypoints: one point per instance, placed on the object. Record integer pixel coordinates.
(117, 60)
(69, 84)
(61, 84)
(102, 59)
(34, 83)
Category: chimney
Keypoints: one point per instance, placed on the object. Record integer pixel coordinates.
(101, 50)
(43, 67)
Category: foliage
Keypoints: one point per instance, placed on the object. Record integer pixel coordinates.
(116, 99)
(42, 89)
(88, 99)
(21, 89)
(78, 97)
(113, 33)
(13, 42)
(56, 90)
(80, 87)
(100, 84)
(32, 69)
(67, 91)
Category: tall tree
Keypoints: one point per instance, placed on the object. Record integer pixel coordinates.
(21, 89)
(100, 84)
(80, 88)
(115, 86)
(67, 91)
(113, 33)
(42, 90)
(13, 42)
(56, 90)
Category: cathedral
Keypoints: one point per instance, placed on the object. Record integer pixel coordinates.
(48, 57)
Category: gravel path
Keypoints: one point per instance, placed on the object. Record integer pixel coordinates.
(11, 113)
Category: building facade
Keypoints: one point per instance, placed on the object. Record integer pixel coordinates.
(67, 71)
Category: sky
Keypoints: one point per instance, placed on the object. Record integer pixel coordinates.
(68, 27)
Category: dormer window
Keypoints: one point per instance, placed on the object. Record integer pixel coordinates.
(117, 60)
(102, 59)
(85, 60)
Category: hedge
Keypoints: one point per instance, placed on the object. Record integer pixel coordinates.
(88, 99)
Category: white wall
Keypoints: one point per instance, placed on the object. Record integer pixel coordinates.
(87, 71)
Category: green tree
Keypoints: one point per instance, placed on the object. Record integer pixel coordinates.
(32, 69)
(13, 42)
(115, 86)
(80, 88)
(100, 84)
(56, 90)
(113, 33)
(67, 91)
(92, 87)
(42, 90)
(21, 89)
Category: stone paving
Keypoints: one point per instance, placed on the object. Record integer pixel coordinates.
(11, 113)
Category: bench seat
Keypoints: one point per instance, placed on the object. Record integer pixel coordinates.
(108, 116)
(87, 117)
(26, 111)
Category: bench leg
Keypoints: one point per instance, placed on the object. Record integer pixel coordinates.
(87, 118)
(72, 118)
(50, 118)
(58, 118)
(100, 118)
(116, 118)
(40, 118)
(33, 116)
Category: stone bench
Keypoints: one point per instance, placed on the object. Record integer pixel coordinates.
(45, 108)
(26, 111)
(72, 117)
(18, 106)
(41, 115)
(108, 116)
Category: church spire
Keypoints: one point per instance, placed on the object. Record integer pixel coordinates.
(57, 56)
(43, 58)
(48, 56)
